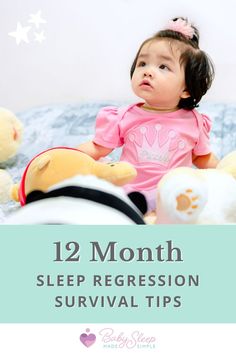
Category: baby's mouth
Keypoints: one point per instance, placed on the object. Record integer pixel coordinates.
(146, 83)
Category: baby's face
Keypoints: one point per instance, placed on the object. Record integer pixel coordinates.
(159, 77)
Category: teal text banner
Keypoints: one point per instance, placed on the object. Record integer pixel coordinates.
(118, 274)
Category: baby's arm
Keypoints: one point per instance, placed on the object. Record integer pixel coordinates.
(94, 150)
(205, 161)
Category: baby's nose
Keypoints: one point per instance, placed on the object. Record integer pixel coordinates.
(148, 73)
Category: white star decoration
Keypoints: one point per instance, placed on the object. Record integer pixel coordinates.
(21, 33)
(39, 37)
(36, 19)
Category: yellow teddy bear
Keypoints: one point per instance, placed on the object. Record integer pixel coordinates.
(10, 139)
(60, 163)
(64, 185)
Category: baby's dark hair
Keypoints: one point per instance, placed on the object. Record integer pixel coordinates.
(199, 69)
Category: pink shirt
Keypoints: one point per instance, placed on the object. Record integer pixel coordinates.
(153, 142)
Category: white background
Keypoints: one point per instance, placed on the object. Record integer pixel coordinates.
(170, 338)
(90, 45)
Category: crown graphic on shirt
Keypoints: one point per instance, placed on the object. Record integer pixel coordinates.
(156, 152)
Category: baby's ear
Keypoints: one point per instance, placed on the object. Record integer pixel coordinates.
(185, 94)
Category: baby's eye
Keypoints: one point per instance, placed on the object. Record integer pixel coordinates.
(141, 63)
(163, 67)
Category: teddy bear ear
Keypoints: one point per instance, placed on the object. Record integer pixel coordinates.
(139, 201)
(43, 162)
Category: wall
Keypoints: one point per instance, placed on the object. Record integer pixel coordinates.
(90, 45)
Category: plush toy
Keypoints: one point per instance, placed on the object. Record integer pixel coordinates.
(57, 164)
(10, 139)
(63, 185)
(198, 196)
(10, 134)
(83, 200)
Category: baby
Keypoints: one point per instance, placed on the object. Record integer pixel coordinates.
(170, 73)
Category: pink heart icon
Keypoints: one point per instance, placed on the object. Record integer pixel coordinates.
(87, 339)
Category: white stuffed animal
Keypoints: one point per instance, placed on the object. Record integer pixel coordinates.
(83, 200)
(193, 196)
(10, 139)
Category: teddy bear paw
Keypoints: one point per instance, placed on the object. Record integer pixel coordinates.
(188, 202)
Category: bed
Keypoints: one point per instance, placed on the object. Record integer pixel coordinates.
(70, 124)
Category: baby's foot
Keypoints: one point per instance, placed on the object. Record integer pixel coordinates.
(150, 217)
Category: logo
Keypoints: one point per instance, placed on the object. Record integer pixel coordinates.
(87, 339)
(110, 338)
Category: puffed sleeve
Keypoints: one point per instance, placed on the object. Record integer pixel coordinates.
(107, 130)
(203, 146)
